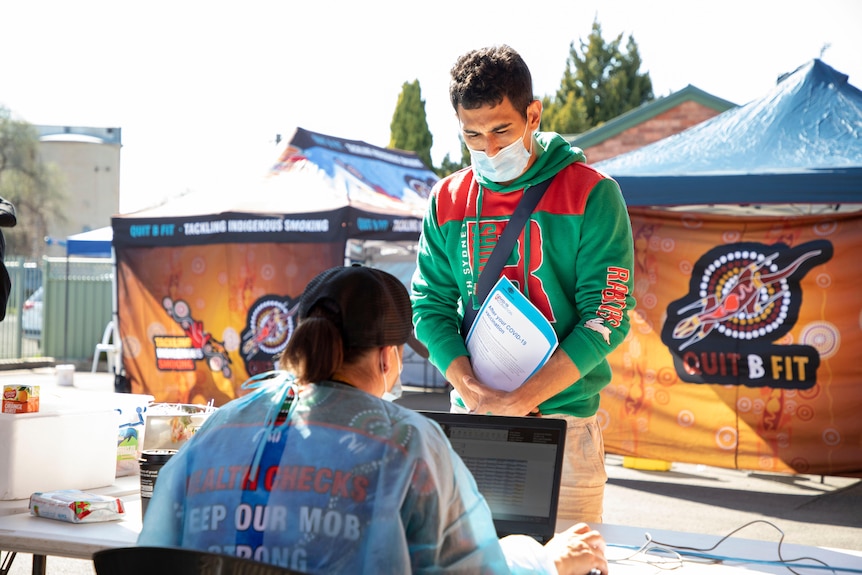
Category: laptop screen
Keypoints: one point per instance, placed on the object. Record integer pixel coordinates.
(517, 463)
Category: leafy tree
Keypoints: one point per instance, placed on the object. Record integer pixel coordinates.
(34, 187)
(601, 81)
(448, 165)
(409, 127)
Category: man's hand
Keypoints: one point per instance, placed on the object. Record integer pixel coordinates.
(577, 550)
(479, 398)
(551, 379)
(459, 370)
(487, 400)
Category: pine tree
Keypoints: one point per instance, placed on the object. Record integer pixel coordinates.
(409, 127)
(601, 81)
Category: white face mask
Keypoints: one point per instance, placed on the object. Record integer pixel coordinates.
(506, 165)
(396, 390)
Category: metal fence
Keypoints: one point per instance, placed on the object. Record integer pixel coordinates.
(57, 310)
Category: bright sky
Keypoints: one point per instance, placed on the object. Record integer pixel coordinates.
(200, 89)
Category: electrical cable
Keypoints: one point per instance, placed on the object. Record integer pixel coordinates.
(681, 552)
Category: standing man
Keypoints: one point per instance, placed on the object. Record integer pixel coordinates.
(573, 260)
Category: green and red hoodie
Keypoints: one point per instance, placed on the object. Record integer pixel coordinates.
(573, 260)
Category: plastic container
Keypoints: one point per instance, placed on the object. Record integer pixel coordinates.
(70, 448)
(170, 425)
(66, 374)
(132, 408)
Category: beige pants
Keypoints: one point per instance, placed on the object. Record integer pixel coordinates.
(582, 487)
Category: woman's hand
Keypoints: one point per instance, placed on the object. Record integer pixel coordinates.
(578, 550)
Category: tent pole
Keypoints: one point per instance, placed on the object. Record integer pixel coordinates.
(66, 314)
(115, 316)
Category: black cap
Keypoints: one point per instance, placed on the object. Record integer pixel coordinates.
(371, 307)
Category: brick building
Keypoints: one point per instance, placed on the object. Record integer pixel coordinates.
(648, 123)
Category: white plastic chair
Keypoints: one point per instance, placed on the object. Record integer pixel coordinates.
(106, 347)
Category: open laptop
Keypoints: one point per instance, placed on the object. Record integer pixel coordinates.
(517, 463)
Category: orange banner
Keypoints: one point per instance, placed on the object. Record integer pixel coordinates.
(197, 321)
(745, 343)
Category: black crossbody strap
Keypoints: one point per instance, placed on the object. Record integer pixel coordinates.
(505, 244)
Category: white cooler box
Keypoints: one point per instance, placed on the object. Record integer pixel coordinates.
(57, 448)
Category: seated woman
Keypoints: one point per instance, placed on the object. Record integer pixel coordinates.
(315, 471)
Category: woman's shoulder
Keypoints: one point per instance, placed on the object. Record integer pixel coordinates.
(415, 418)
(426, 432)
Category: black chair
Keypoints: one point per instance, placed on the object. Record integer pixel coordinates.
(178, 561)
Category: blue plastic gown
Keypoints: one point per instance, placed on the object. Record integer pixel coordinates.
(347, 483)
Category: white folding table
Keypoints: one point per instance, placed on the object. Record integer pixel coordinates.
(22, 533)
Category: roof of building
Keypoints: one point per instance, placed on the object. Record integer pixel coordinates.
(80, 134)
(646, 112)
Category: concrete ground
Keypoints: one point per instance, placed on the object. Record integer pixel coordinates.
(803, 509)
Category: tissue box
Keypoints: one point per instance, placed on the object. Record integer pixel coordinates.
(20, 398)
(67, 448)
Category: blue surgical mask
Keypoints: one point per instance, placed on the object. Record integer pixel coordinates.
(506, 165)
(395, 392)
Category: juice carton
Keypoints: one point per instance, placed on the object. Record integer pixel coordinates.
(20, 398)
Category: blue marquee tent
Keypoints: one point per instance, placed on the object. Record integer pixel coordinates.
(94, 243)
(801, 143)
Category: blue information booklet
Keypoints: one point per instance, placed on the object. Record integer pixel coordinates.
(510, 338)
